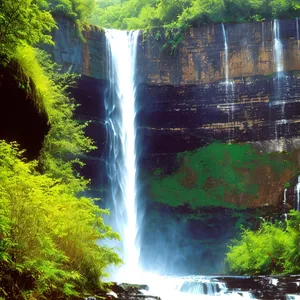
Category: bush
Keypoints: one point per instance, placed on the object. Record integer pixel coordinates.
(49, 237)
(272, 249)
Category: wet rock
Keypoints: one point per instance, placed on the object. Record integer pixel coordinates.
(129, 292)
(264, 287)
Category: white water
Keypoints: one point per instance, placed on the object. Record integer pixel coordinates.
(120, 108)
(229, 84)
(297, 31)
(279, 68)
(190, 288)
(278, 48)
(298, 194)
(263, 34)
(284, 204)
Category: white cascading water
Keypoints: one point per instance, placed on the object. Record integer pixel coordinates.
(229, 84)
(284, 203)
(120, 123)
(298, 194)
(263, 34)
(297, 31)
(278, 48)
(279, 68)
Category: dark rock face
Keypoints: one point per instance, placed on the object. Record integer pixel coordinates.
(190, 116)
(264, 287)
(89, 93)
(22, 118)
(184, 103)
(182, 100)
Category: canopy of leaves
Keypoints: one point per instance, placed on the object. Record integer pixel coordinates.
(174, 16)
(23, 21)
(73, 9)
(270, 250)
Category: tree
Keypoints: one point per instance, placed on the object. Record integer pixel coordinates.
(23, 21)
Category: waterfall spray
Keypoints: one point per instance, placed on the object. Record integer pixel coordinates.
(121, 131)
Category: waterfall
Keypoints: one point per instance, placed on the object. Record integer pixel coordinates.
(278, 49)
(226, 57)
(121, 132)
(297, 188)
(263, 34)
(284, 204)
(297, 31)
(279, 68)
(194, 287)
(229, 93)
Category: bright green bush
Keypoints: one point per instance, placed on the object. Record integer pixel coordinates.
(271, 249)
(51, 239)
(48, 234)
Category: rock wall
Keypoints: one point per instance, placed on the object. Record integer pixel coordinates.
(185, 102)
(22, 118)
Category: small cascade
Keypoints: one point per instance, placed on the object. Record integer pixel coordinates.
(297, 31)
(278, 80)
(229, 85)
(278, 49)
(263, 34)
(120, 126)
(297, 190)
(284, 203)
(194, 287)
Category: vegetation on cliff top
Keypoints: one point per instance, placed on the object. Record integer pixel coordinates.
(174, 16)
(273, 249)
(50, 238)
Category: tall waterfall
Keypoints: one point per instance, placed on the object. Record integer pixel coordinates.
(298, 194)
(229, 85)
(121, 132)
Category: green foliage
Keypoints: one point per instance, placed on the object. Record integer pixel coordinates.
(73, 9)
(66, 139)
(174, 16)
(219, 174)
(47, 233)
(23, 21)
(51, 240)
(269, 250)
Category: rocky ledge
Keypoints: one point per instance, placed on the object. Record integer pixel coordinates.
(259, 287)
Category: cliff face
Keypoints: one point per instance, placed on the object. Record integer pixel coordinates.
(188, 97)
(200, 58)
(205, 92)
(22, 117)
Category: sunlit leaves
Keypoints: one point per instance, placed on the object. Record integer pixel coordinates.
(22, 21)
(46, 230)
(272, 249)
